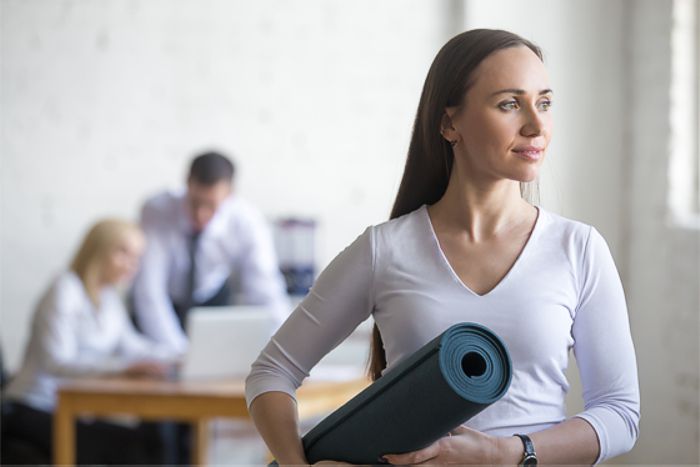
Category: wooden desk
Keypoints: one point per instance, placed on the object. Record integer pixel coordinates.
(194, 402)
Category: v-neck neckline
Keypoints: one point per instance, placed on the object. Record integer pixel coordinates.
(519, 259)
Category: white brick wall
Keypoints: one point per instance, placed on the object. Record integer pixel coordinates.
(664, 259)
(103, 103)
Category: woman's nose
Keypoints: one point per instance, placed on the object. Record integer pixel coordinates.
(533, 125)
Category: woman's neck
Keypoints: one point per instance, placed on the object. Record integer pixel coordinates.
(481, 210)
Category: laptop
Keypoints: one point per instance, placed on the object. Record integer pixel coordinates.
(224, 341)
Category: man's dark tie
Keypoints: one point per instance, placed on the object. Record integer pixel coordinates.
(188, 302)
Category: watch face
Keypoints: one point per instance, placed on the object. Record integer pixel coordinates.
(530, 460)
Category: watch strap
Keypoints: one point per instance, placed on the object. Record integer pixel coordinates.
(529, 455)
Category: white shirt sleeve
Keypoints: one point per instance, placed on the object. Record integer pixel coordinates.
(339, 301)
(133, 345)
(70, 337)
(59, 330)
(605, 353)
(152, 304)
(261, 280)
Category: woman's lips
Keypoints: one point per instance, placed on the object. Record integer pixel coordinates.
(529, 153)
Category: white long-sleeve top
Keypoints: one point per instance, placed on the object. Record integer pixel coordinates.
(70, 337)
(562, 292)
(236, 241)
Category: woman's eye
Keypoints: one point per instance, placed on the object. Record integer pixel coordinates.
(545, 104)
(509, 105)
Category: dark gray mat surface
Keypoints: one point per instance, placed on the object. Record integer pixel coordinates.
(442, 385)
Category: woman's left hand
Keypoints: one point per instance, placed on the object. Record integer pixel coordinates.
(464, 446)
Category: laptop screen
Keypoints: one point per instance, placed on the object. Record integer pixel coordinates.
(224, 341)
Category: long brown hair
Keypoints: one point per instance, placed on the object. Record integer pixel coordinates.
(430, 156)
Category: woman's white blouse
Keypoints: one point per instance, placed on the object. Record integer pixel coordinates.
(71, 338)
(563, 292)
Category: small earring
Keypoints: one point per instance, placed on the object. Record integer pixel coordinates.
(454, 143)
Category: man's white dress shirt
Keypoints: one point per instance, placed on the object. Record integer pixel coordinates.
(237, 241)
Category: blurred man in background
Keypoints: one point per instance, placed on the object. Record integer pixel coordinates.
(197, 239)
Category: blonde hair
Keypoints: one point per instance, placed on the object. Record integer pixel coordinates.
(103, 238)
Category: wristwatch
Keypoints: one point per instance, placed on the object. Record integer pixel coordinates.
(529, 455)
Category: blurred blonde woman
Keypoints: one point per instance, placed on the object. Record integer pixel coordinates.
(81, 328)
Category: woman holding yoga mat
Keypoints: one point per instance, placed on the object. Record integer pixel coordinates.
(465, 244)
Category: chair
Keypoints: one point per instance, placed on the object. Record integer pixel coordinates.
(15, 450)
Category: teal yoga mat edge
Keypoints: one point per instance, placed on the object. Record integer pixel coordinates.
(500, 345)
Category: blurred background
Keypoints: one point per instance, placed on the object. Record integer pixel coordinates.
(103, 103)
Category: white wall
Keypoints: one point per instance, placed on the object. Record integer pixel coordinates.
(104, 102)
(664, 256)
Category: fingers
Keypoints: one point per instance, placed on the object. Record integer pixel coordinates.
(147, 369)
(415, 457)
(158, 371)
(460, 430)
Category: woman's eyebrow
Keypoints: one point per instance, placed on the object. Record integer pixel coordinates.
(520, 91)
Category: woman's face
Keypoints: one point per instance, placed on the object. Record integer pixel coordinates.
(123, 262)
(504, 126)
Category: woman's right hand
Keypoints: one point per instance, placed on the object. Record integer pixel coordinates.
(148, 369)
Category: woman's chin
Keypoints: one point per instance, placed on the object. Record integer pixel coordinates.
(525, 178)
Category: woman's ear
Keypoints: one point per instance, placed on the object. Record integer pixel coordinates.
(447, 129)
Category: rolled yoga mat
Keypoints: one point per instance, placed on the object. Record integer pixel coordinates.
(448, 381)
